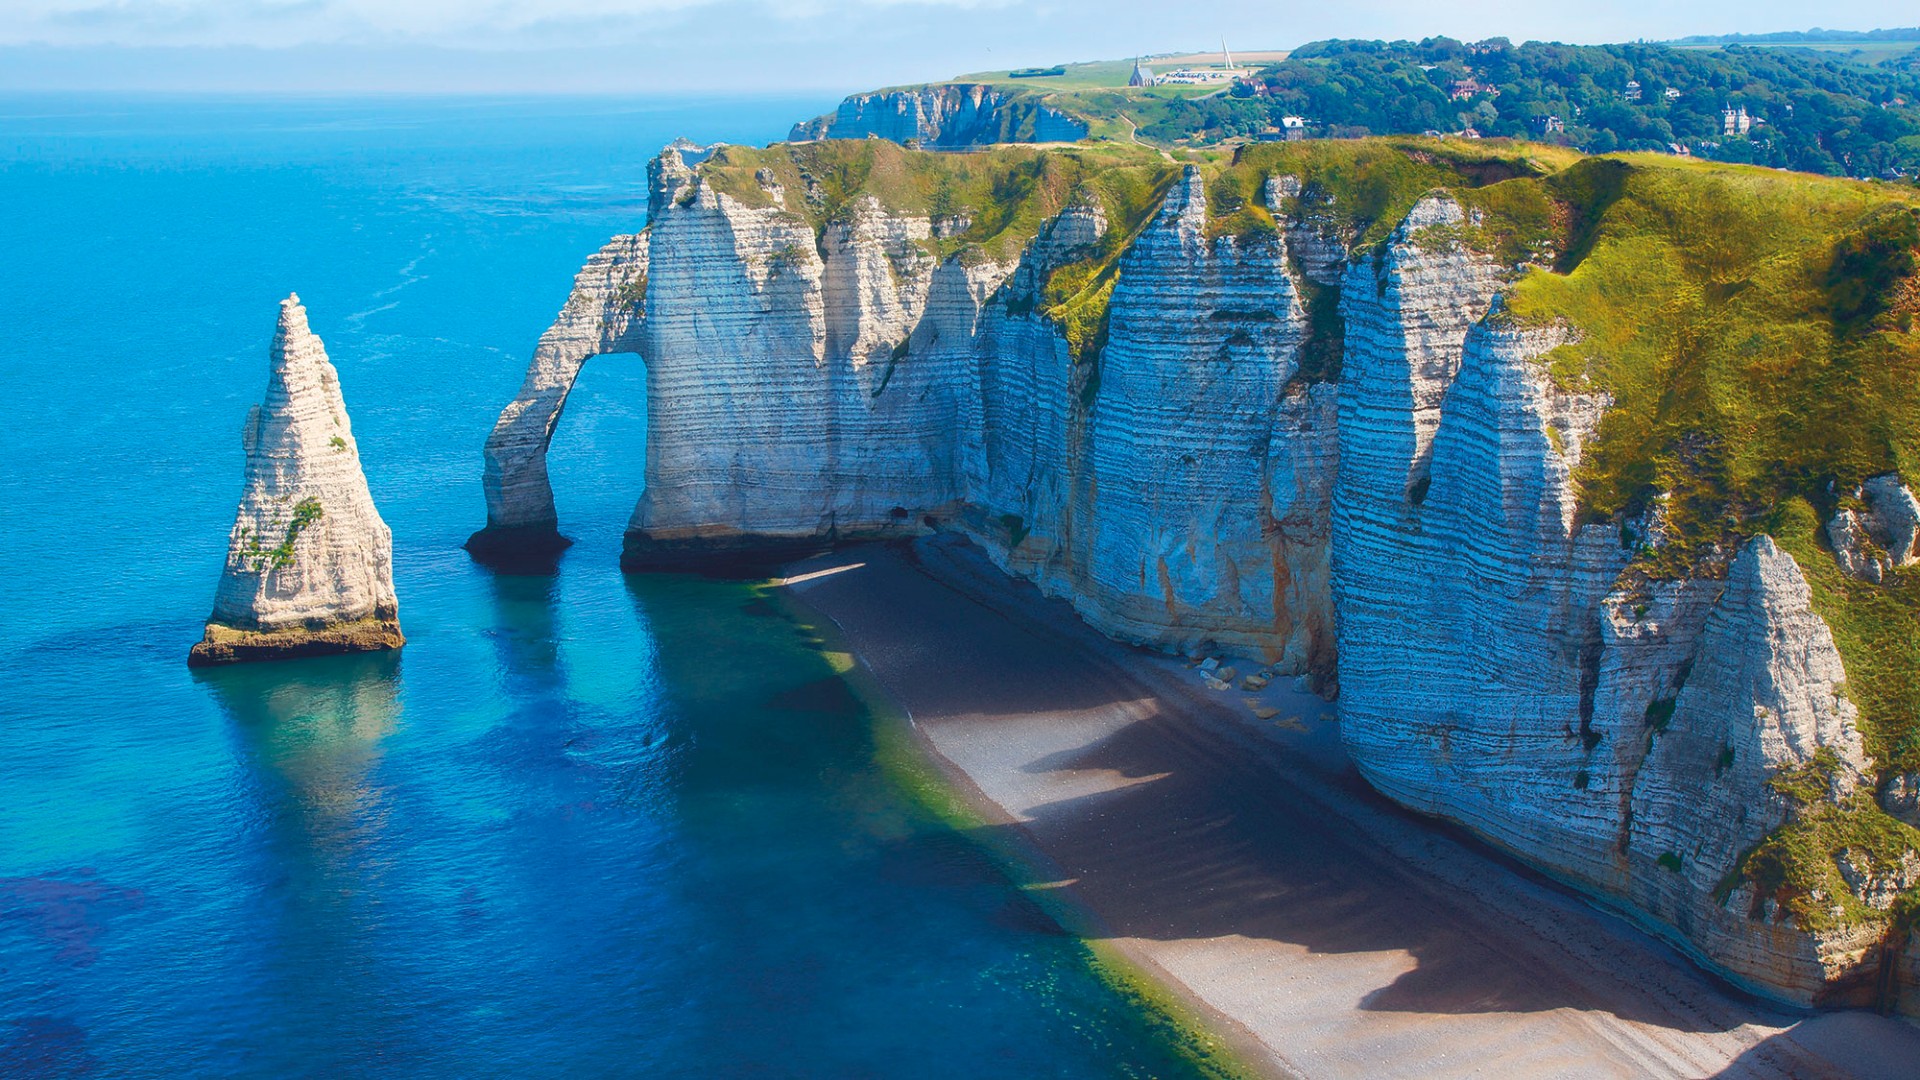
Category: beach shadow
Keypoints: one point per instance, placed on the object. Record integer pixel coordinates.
(1873, 1048)
(1206, 835)
(1244, 855)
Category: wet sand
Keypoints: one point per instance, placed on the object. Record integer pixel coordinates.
(1326, 932)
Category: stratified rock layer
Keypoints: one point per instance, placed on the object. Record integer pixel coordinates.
(309, 562)
(1188, 480)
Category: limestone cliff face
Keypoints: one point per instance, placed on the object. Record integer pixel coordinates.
(1498, 667)
(944, 116)
(1765, 692)
(1185, 482)
(861, 330)
(1171, 492)
(309, 563)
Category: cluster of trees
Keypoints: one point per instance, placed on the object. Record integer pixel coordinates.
(1788, 37)
(1818, 114)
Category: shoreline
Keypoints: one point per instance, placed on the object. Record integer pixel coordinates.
(1215, 1043)
(1307, 924)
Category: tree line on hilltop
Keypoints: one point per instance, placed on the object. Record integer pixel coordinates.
(1802, 110)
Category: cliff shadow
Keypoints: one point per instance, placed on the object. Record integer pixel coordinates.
(1196, 842)
(1174, 825)
(1873, 1048)
(527, 552)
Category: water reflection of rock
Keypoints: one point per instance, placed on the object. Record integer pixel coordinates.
(310, 733)
(311, 848)
(524, 634)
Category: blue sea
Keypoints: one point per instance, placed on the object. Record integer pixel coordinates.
(584, 824)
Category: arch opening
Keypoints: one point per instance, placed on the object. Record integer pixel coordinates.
(604, 315)
(596, 456)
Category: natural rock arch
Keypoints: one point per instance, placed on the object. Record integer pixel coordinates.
(605, 313)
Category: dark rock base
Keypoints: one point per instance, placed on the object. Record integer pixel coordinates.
(523, 549)
(230, 645)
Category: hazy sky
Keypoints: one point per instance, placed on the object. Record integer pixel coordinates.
(760, 44)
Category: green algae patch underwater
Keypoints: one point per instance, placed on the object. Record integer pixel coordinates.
(911, 765)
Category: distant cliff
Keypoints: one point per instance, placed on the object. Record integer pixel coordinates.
(945, 116)
(1585, 481)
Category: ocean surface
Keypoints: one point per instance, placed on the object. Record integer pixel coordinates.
(583, 824)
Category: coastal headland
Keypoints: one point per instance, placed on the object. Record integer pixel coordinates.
(1584, 484)
(1325, 931)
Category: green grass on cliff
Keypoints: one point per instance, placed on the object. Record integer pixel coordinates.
(1006, 195)
(1756, 332)
(1755, 329)
(1007, 192)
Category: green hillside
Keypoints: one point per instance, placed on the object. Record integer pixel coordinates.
(1823, 107)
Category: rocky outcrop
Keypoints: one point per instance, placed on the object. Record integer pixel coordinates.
(862, 332)
(1765, 693)
(1402, 518)
(309, 562)
(1880, 533)
(1190, 513)
(1175, 490)
(944, 116)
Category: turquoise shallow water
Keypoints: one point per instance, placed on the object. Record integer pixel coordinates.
(584, 824)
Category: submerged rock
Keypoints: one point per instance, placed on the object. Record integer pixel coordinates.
(309, 563)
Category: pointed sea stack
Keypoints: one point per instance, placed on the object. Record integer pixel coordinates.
(309, 564)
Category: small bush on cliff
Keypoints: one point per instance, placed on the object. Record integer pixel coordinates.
(259, 558)
(1798, 866)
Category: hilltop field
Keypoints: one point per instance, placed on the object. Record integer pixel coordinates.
(1836, 106)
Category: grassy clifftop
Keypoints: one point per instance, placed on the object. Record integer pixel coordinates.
(1758, 332)
(1005, 193)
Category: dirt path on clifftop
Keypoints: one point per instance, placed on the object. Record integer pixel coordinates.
(1251, 868)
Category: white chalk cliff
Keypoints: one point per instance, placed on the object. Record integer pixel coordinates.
(944, 116)
(309, 562)
(1192, 483)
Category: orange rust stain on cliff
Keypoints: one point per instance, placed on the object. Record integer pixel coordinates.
(1166, 587)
